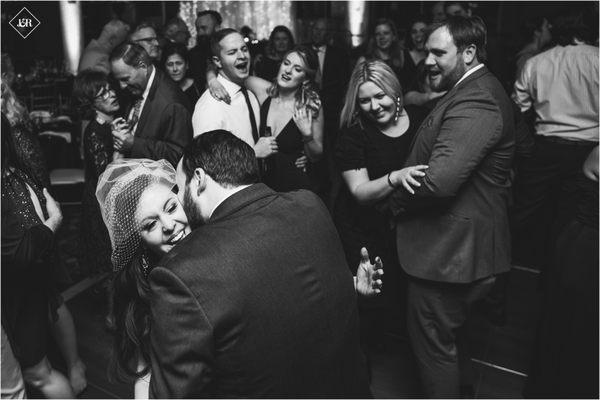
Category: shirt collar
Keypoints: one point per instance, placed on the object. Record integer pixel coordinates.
(231, 87)
(149, 85)
(469, 72)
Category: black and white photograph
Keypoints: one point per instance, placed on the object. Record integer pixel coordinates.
(300, 199)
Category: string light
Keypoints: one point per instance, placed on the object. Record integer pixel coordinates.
(261, 16)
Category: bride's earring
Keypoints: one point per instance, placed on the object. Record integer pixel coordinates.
(144, 263)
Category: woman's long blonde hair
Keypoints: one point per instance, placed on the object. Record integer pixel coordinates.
(306, 95)
(14, 110)
(375, 71)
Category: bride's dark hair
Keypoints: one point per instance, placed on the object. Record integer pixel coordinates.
(132, 322)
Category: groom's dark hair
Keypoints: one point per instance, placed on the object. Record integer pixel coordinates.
(228, 160)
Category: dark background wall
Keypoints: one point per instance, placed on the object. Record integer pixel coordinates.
(503, 19)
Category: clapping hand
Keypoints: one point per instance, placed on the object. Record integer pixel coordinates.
(368, 276)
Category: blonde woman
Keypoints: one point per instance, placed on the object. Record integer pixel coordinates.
(376, 133)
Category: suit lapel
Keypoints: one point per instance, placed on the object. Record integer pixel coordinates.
(147, 104)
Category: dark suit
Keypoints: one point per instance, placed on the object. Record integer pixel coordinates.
(259, 303)
(165, 124)
(452, 234)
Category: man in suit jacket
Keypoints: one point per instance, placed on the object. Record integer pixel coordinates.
(159, 118)
(257, 301)
(452, 233)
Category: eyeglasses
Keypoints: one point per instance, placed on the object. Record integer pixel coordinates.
(104, 93)
(148, 39)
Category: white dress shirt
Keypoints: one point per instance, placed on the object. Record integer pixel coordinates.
(211, 114)
(469, 72)
(561, 84)
(144, 97)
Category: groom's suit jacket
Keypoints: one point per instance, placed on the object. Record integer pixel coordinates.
(259, 302)
(455, 227)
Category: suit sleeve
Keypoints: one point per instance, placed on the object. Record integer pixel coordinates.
(470, 128)
(176, 123)
(208, 116)
(181, 339)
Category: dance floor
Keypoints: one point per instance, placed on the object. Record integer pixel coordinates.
(500, 355)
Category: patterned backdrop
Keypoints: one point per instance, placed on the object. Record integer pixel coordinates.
(261, 16)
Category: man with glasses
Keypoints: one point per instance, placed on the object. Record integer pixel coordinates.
(145, 35)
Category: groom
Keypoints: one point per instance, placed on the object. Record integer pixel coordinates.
(258, 300)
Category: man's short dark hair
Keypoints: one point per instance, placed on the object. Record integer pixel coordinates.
(214, 14)
(466, 31)
(142, 25)
(573, 25)
(132, 54)
(216, 37)
(227, 159)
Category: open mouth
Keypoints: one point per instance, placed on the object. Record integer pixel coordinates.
(242, 66)
(177, 238)
(286, 78)
(434, 74)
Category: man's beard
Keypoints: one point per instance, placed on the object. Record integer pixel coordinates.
(447, 82)
(191, 210)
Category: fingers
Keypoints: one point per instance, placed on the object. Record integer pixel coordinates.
(412, 181)
(408, 188)
(364, 255)
(379, 265)
(47, 195)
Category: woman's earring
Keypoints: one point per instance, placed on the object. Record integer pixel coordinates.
(144, 262)
(397, 116)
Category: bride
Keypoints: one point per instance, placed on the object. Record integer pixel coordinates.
(145, 221)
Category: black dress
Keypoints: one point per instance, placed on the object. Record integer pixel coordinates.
(363, 145)
(193, 93)
(30, 151)
(29, 261)
(281, 173)
(98, 151)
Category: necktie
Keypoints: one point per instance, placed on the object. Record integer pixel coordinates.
(135, 116)
(251, 113)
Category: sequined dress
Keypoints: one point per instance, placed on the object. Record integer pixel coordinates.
(30, 267)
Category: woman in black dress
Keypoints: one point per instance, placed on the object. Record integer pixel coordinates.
(176, 61)
(291, 112)
(30, 217)
(374, 142)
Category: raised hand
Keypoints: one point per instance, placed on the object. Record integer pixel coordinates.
(303, 119)
(368, 276)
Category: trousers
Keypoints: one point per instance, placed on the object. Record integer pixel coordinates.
(436, 311)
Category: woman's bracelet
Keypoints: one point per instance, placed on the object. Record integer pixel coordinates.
(390, 181)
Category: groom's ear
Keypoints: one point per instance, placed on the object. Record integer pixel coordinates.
(200, 178)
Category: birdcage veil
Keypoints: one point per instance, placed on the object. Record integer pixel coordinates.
(119, 189)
